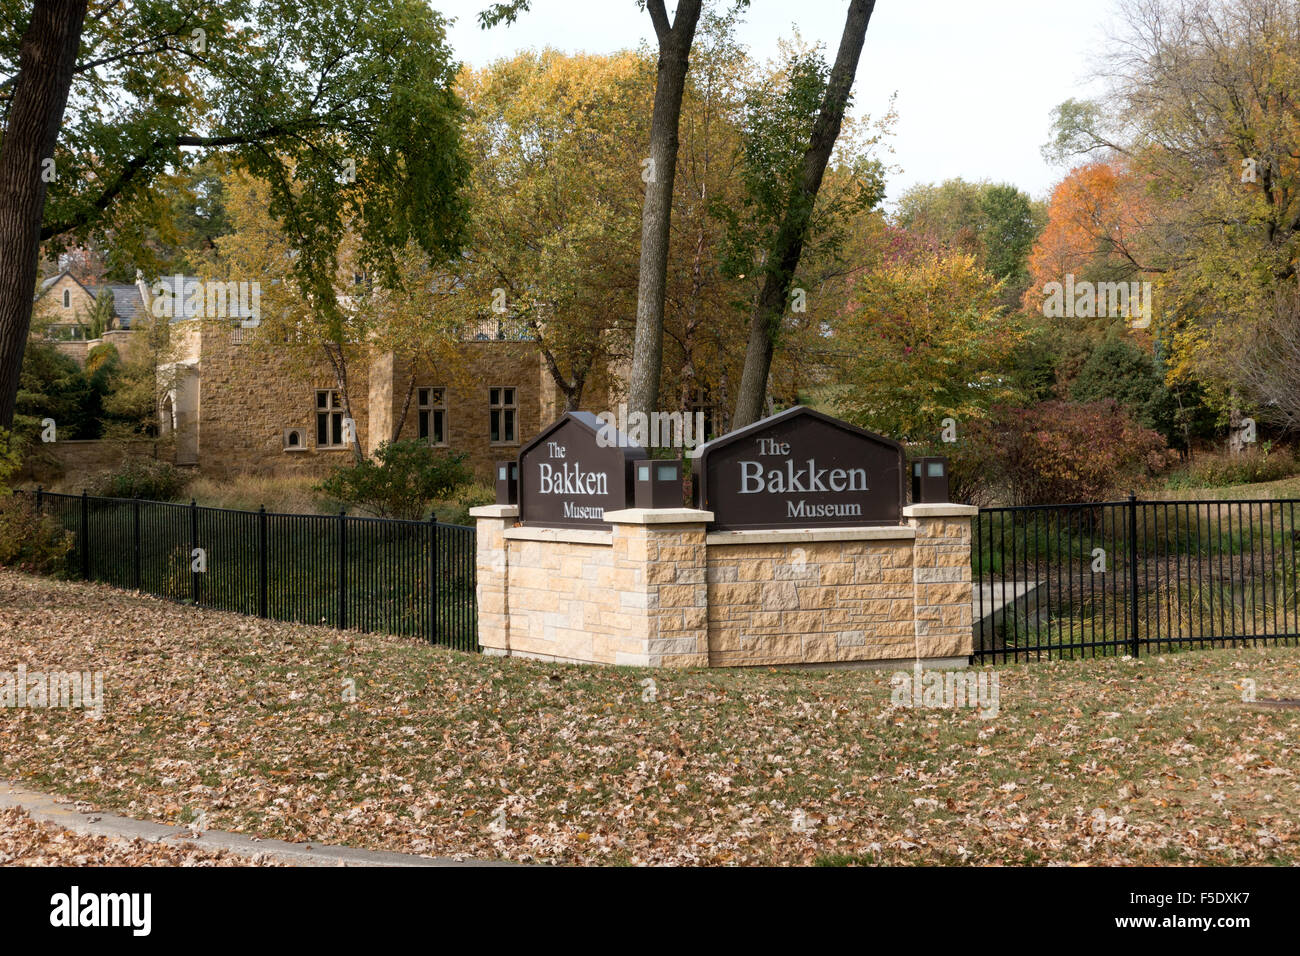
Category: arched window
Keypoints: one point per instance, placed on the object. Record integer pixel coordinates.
(67, 298)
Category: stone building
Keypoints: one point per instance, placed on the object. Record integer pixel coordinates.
(67, 304)
(235, 406)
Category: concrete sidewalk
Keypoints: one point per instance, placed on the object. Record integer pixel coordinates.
(41, 806)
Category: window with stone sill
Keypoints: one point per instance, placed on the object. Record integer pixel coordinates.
(431, 404)
(329, 418)
(503, 416)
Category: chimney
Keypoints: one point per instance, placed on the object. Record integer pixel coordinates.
(144, 291)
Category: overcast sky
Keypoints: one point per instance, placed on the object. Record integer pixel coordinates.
(975, 80)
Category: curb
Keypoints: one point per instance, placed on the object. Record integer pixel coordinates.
(42, 806)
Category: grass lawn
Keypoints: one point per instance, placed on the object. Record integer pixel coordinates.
(443, 752)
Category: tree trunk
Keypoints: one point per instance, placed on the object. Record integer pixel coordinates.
(46, 60)
(783, 260)
(406, 405)
(334, 351)
(656, 212)
(571, 388)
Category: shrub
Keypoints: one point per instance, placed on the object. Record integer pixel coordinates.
(141, 478)
(456, 511)
(30, 541)
(401, 481)
(1063, 452)
(11, 458)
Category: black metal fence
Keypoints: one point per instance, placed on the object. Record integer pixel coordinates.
(1133, 577)
(371, 574)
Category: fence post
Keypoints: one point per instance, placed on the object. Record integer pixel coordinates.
(433, 578)
(40, 499)
(137, 576)
(194, 543)
(343, 564)
(85, 535)
(261, 561)
(1133, 573)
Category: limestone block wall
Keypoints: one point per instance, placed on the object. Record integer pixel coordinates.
(666, 551)
(592, 596)
(467, 376)
(811, 597)
(659, 590)
(942, 558)
(249, 393)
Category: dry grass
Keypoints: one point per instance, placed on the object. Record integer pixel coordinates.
(290, 494)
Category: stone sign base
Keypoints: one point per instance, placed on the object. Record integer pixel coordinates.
(660, 590)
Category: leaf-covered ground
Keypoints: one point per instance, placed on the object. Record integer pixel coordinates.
(28, 842)
(249, 722)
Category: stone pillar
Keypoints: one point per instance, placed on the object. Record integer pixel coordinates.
(491, 566)
(941, 575)
(664, 551)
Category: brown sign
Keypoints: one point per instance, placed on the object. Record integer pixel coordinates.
(573, 472)
(800, 469)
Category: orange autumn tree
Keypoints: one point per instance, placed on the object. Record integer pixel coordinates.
(1094, 229)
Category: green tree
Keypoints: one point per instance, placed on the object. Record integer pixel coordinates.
(926, 342)
(1120, 371)
(345, 107)
(781, 262)
(101, 315)
(995, 222)
(52, 385)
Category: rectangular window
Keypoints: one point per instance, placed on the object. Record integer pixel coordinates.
(503, 415)
(701, 402)
(329, 418)
(432, 404)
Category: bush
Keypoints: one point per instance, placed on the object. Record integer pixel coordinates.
(456, 510)
(11, 458)
(1117, 369)
(30, 541)
(1061, 453)
(146, 478)
(401, 481)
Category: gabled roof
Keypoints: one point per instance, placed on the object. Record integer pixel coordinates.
(53, 280)
(128, 303)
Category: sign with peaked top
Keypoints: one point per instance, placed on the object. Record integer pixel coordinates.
(568, 478)
(800, 469)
